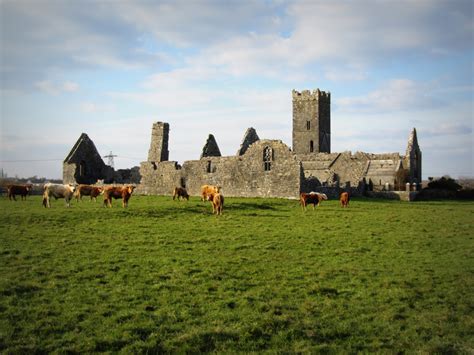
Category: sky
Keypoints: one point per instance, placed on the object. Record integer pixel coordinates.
(112, 68)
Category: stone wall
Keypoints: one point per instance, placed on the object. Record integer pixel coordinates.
(159, 178)
(240, 176)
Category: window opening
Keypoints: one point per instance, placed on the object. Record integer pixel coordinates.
(308, 125)
(311, 146)
(82, 168)
(267, 158)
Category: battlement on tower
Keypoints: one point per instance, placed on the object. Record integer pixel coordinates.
(310, 95)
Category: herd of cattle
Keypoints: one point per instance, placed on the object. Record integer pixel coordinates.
(208, 193)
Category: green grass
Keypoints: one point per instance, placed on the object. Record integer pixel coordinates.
(167, 276)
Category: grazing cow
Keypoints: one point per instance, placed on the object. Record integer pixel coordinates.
(88, 190)
(58, 191)
(207, 190)
(123, 192)
(22, 190)
(217, 200)
(313, 198)
(344, 199)
(180, 192)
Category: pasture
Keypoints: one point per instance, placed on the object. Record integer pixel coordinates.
(167, 276)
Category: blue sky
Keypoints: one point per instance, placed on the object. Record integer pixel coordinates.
(112, 68)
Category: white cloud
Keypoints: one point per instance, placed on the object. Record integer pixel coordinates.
(70, 86)
(90, 107)
(395, 95)
(56, 88)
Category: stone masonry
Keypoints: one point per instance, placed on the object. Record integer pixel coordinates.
(262, 167)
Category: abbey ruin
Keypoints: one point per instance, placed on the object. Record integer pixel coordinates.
(269, 168)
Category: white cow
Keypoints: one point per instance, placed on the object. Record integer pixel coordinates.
(58, 191)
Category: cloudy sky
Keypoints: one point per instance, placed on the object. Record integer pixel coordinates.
(112, 68)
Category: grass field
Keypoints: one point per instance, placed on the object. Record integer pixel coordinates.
(167, 276)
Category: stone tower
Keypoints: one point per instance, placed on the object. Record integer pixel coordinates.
(158, 151)
(311, 122)
(413, 158)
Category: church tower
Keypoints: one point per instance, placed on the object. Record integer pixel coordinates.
(413, 158)
(158, 151)
(311, 122)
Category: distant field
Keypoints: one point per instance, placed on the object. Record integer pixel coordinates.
(167, 276)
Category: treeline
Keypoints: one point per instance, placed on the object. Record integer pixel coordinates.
(447, 188)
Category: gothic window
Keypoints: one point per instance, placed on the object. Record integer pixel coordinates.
(308, 125)
(267, 158)
(311, 146)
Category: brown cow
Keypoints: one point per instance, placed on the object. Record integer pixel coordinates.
(344, 199)
(123, 192)
(22, 190)
(207, 190)
(180, 192)
(313, 198)
(88, 190)
(217, 200)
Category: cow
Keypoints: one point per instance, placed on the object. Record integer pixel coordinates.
(88, 190)
(123, 192)
(313, 198)
(344, 199)
(217, 201)
(207, 190)
(22, 190)
(58, 191)
(180, 192)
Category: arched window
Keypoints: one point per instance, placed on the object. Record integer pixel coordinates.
(267, 158)
(311, 146)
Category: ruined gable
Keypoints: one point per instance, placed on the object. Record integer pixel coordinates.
(84, 164)
(250, 137)
(210, 149)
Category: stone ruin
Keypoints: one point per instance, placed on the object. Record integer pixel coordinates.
(84, 165)
(264, 167)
